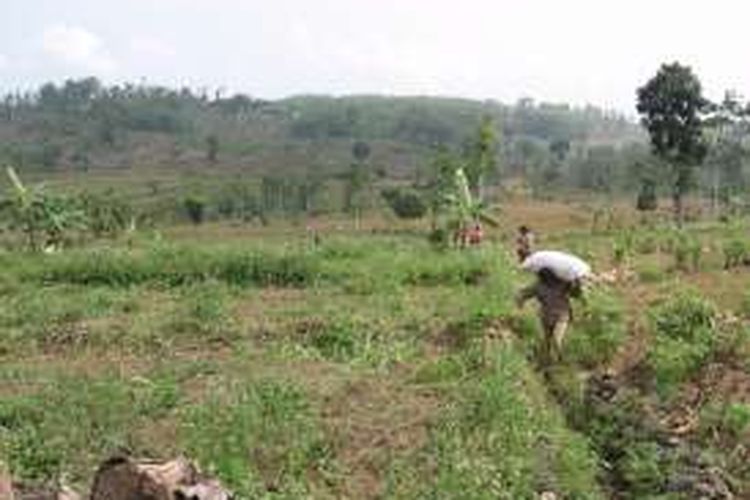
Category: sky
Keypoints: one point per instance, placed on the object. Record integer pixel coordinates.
(576, 51)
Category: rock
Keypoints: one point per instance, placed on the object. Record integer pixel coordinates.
(121, 478)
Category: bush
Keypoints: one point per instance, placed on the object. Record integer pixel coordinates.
(684, 338)
(687, 252)
(729, 419)
(406, 204)
(599, 330)
(106, 213)
(195, 208)
(735, 252)
(178, 265)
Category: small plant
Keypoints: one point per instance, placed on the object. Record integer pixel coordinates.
(684, 338)
(336, 341)
(731, 420)
(735, 253)
(650, 273)
(622, 248)
(647, 244)
(687, 252)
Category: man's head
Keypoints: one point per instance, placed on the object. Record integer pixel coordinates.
(524, 229)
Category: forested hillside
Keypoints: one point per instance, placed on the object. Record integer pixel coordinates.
(83, 125)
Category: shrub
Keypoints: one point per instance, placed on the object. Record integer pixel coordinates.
(406, 204)
(735, 252)
(106, 213)
(687, 252)
(178, 265)
(195, 208)
(684, 338)
(643, 467)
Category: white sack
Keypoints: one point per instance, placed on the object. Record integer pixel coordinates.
(565, 266)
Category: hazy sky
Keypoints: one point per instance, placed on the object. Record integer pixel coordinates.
(579, 51)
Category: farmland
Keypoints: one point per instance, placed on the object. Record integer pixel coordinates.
(365, 363)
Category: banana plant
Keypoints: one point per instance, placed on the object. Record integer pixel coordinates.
(42, 219)
(463, 208)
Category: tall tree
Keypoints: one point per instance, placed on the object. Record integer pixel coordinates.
(671, 104)
(482, 159)
(728, 127)
(212, 148)
(358, 178)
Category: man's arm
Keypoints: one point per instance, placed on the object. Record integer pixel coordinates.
(525, 294)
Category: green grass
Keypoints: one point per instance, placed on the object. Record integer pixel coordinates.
(500, 439)
(237, 352)
(261, 439)
(70, 422)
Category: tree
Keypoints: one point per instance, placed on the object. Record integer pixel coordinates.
(647, 199)
(357, 180)
(360, 151)
(442, 177)
(482, 156)
(212, 148)
(671, 104)
(727, 129)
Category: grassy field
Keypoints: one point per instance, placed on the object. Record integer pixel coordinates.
(371, 365)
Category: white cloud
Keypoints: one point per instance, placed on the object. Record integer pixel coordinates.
(4, 62)
(77, 47)
(152, 47)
